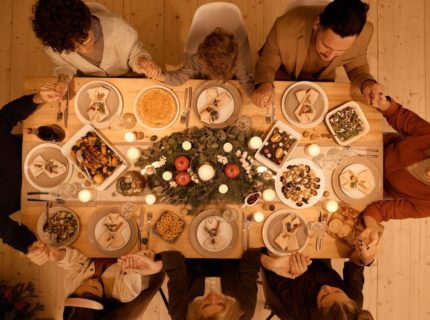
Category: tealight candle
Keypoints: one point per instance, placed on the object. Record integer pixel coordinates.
(258, 216)
(206, 172)
(331, 205)
(269, 194)
(85, 195)
(312, 150)
(133, 153)
(186, 145)
(167, 176)
(150, 199)
(130, 136)
(227, 147)
(223, 188)
(255, 142)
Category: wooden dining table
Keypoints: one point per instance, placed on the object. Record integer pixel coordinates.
(129, 88)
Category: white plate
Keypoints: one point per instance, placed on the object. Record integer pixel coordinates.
(360, 113)
(225, 231)
(230, 113)
(225, 113)
(319, 173)
(44, 236)
(113, 102)
(100, 228)
(78, 135)
(272, 227)
(285, 128)
(356, 168)
(289, 104)
(95, 228)
(173, 118)
(43, 182)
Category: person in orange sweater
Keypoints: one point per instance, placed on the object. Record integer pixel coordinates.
(406, 165)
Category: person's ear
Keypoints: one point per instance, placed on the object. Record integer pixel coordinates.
(317, 24)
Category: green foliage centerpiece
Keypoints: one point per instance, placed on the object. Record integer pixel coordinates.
(200, 166)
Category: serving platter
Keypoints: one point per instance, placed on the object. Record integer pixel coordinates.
(113, 101)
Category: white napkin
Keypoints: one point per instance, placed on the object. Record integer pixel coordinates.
(52, 168)
(97, 109)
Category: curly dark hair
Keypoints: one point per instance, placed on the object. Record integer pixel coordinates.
(59, 24)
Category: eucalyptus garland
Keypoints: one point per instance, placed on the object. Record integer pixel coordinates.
(207, 148)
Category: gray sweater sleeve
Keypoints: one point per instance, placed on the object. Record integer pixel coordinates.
(190, 70)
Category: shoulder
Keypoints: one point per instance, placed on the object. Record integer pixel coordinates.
(299, 16)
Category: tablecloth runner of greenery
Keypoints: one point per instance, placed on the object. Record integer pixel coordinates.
(209, 146)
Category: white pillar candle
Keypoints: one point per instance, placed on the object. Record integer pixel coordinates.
(269, 194)
(150, 199)
(186, 145)
(85, 195)
(255, 142)
(227, 147)
(133, 153)
(167, 176)
(312, 150)
(331, 205)
(223, 188)
(206, 172)
(130, 136)
(258, 216)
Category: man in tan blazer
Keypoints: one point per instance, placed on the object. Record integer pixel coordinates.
(309, 43)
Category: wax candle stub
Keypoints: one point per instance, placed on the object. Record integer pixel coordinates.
(133, 153)
(150, 199)
(186, 145)
(167, 176)
(331, 205)
(227, 147)
(269, 195)
(223, 188)
(312, 150)
(130, 136)
(258, 216)
(206, 172)
(255, 142)
(85, 195)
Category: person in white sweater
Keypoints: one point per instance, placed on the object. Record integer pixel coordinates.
(89, 283)
(88, 39)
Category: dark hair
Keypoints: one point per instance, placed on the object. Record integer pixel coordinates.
(345, 17)
(61, 23)
(345, 311)
(218, 54)
(78, 313)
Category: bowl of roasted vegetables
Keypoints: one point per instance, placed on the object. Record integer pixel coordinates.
(347, 123)
(94, 157)
(59, 227)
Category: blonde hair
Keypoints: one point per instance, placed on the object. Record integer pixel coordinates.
(232, 310)
(218, 54)
(345, 311)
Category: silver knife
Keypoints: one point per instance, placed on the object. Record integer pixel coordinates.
(140, 224)
(66, 110)
(190, 95)
(148, 220)
(243, 232)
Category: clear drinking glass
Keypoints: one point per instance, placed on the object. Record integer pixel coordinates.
(70, 190)
(117, 123)
(229, 214)
(128, 209)
(244, 123)
(129, 120)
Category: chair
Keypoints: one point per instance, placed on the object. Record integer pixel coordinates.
(300, 3)
(97, 7)
(218, 14)
(136, 308)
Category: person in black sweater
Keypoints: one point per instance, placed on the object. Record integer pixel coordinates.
(13, 234)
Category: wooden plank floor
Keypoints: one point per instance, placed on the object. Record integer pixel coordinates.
(397, 286)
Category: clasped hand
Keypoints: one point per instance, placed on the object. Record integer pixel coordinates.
(290, 266)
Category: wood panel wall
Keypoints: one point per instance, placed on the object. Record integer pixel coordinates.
(397, 286)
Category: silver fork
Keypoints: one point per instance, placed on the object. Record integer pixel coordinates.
(184, 113)
(148, 219)
(59, 112)
(350, 149)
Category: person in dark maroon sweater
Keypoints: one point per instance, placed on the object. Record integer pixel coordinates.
(13, 234)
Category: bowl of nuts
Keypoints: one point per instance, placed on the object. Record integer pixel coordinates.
(278, 146)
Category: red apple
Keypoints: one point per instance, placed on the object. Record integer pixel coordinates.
(182, 178)
(182, 163)
(231, 170)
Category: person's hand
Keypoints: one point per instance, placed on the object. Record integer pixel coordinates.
(286, 266)
(366, 245)
(149, 68)
(262, 97)
(41, 253)
(140, 264)
(374, 94)
(47, 93)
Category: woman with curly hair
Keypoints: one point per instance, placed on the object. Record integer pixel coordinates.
(218, 57)
(86, 38)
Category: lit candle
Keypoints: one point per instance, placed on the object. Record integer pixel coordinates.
(258, 216)
(186, 145)
(227, 147)
(85, 195)
(312, 150)
(130, 136)
(133, 153)
(167, 176)
(223, 188)
(206, 172)
(269, 194)
(261, 169)
(150, 199)
(331, 205)
(255, 143)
